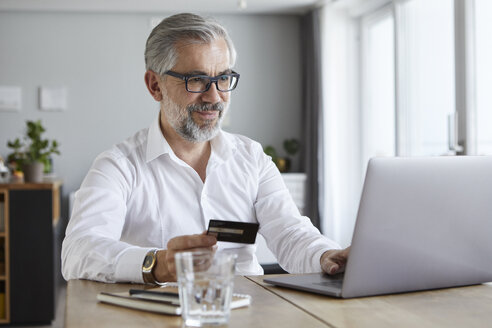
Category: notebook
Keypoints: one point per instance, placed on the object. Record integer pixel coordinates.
(159, 299)
(423, 223)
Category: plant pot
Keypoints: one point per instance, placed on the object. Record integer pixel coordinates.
(283, 164)
(33, 172)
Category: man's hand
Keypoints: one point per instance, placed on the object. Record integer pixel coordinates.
(165, 269)
(334, 260)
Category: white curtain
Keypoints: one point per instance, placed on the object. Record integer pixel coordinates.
(340, 172)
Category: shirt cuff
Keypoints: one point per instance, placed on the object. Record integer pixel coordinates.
(129, 264)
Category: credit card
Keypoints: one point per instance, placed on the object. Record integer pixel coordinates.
(233, 231)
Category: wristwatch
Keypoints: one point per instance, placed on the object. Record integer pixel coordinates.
(148, 265)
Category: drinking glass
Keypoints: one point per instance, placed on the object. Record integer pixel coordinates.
(206, 281)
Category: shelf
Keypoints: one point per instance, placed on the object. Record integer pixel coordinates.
(46, 184)
(4, 258)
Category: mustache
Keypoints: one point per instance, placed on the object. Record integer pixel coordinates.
(206, 107)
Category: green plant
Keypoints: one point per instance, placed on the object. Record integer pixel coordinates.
(33, 148)
(270, 151)
(291, 146)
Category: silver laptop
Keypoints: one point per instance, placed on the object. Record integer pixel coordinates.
(423, 223)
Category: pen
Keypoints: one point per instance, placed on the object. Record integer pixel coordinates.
(153, 292)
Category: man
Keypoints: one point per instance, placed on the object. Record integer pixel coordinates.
(154, 194)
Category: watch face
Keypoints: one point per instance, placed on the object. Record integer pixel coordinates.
(148, 262)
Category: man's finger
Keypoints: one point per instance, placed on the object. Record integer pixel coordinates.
(334, 261)
(192, 241)
(342, 255)
(198, 249)
(330, 266)
(333, 268)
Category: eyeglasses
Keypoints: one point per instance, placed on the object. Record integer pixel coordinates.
(201, 83)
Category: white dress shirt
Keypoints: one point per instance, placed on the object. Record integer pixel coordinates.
(139, 194)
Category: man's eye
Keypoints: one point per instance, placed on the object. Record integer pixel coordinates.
(196, 79)
(224, 77)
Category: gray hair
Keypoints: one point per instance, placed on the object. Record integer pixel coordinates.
(160, 50)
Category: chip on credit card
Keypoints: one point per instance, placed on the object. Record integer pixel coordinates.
(233, 231)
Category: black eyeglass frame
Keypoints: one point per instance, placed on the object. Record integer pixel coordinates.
(211, 79)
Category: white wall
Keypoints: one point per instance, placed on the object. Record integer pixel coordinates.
(99, 58)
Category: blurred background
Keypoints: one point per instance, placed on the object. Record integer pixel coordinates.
(340, 80)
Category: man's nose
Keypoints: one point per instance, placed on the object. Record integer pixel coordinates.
(212, 95)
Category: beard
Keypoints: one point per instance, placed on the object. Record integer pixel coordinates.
(181, 119)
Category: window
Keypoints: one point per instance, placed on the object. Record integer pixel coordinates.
(417, 125)
(378, 93)
(483, 27)
(420, 63)
(426, 58)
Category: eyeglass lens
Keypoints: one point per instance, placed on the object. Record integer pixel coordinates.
(201, 83)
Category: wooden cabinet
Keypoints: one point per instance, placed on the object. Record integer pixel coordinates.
(28, 251)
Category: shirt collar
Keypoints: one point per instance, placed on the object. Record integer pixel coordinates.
(157, 145)
(223, 145)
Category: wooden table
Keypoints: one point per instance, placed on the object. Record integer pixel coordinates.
(266, 310)
(280, 307)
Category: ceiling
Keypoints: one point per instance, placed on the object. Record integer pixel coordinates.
(152, 6)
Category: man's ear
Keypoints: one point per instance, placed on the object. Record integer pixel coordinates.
(152, 80)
